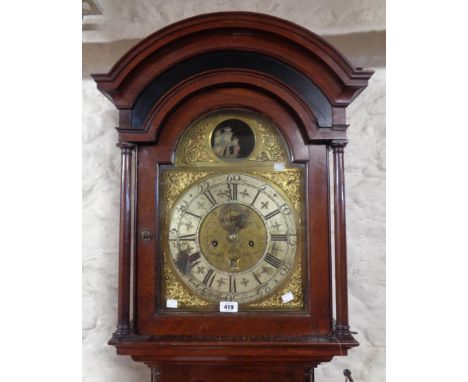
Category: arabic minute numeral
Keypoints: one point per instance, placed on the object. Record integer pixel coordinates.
(291, 240)
(285, 209)
(204, 186)
(284, 269)
(183, 206)
(233, 178)
(264, 290)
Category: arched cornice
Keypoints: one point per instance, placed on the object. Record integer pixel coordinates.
(255, 82)
(289, 43)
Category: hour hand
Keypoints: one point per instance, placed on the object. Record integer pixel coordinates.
(232, 218)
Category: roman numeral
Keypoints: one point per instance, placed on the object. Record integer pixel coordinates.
(232, 191)
(209, 278)
(279, 237)
(210, 197)
(273, 261)
(232, 284)
(271, 214)
(194, 259)
(256, 278)
(191, 213)
(254, 199)
(187, 237)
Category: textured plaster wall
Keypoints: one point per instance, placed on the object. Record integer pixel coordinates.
(356, 28)
(131, 19)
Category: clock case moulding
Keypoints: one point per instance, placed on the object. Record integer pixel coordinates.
(303, 85)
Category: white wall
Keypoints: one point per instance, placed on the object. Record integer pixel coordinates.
(132, 19)
(357, 28)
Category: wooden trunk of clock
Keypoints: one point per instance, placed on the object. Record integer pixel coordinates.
(226, 125)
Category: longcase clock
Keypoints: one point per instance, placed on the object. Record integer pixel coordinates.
(227, 123)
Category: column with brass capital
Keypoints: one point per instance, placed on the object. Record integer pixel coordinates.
(341, 279)
(125, 241)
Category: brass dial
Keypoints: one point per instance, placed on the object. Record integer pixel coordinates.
(233, 237)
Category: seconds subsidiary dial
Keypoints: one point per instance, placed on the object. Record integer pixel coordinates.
(233, 237)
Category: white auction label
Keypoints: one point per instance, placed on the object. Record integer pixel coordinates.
(170, 303)
(279, 166)
(228, 306)
(287, 297)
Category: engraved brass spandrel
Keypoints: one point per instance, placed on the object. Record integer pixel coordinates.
(294, 285)
(195, 148)
(175, 182)
(290, 181)
(270, 147)
(175, 290)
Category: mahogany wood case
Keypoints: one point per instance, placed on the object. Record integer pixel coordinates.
(303, 85)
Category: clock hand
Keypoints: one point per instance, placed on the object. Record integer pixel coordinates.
(231, 225)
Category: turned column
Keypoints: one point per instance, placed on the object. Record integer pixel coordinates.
(125, 237)
(341, 279)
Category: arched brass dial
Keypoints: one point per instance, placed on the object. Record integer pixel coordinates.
(233, 237)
